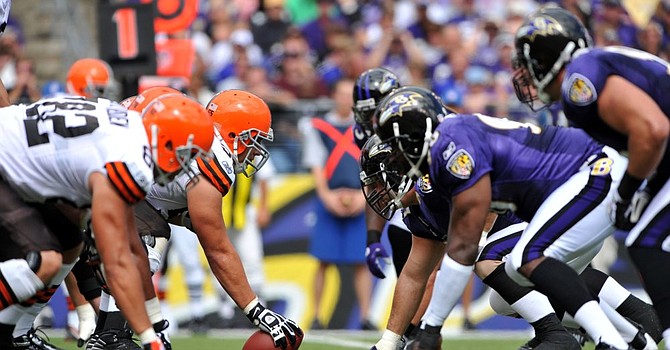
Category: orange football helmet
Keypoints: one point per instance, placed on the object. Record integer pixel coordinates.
(179, 130)
(90, 77)
(243, 121)
(147, 96)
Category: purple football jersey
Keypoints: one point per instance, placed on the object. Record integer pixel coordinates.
(525, 163)
(585, 78)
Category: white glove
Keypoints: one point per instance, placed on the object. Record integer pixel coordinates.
(86, 315)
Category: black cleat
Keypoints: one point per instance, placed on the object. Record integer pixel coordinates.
(33, 341)
(531, 344)
(558, 340)
(112, 339)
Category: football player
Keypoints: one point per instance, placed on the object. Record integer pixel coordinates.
(82, 153)
(90, 77)
(427, 222)
(619, 96)
(112, 329)
(242, 124)
(369, 90)
(480, 163)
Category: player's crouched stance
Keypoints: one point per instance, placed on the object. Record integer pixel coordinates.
(81, 153)
(242, 124)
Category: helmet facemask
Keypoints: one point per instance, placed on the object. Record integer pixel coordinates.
(249, 143)
(363, 112)
(183, 155)
(96, 89)
(414, 149)
(530, 83)
(382, 180)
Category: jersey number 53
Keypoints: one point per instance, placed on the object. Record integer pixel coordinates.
(63, 117)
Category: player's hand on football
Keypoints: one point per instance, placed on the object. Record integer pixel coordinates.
(283, 330)
(374, 255)
(625, 213)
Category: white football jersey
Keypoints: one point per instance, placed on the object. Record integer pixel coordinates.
(218, 170)
(49, 149)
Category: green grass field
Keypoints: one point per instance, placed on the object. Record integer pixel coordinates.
(338, 340)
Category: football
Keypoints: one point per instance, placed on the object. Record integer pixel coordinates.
(260, 340)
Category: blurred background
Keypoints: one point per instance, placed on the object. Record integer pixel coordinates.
(292, 53)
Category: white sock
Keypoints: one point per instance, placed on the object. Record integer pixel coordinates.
(449, 285)
(29, 313)
(20, 278)
(10, 315)
(533, 306)
(592, 318)
(107, 303)
(613, 293)
(58, 279)
(195, 301)
(625, 328)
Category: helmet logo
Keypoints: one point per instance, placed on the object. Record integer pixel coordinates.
(212, 107)
(387, 85)
(461, 164)
(227, 167)
(398, 105)
(541, 25)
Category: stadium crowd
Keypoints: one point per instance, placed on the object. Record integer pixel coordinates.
(291, 52)
(296, 54)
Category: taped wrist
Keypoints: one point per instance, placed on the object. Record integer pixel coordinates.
(374, 236)
(629, 184)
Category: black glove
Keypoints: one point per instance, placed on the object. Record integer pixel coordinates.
(625, 213)
(282, 330)
(628, 202)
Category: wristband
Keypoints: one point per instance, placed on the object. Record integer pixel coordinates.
(153, 307)
(628, 185)
(374, 236)
(250, 306)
